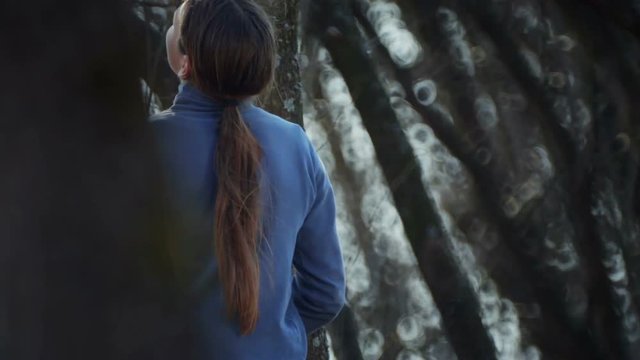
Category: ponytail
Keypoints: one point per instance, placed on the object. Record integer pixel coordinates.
(237, 217)
(232, 55)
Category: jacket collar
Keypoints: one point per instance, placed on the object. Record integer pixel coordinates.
(191, 98)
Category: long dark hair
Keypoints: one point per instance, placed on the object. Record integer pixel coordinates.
(231, 49)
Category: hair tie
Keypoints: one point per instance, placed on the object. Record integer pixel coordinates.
(228, 102)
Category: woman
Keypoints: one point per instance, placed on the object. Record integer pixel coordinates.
(261, 258)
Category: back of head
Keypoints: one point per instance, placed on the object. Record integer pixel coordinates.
(231, 54)
(231, 47)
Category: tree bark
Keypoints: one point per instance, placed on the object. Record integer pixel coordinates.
(284, 99)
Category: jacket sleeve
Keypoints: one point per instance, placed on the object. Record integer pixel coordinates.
(319, 282)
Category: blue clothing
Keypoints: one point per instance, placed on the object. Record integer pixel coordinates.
(298, 222)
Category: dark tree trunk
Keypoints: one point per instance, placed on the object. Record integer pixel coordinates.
(334, 25)
(571, 252)
(85, 269)
(284, 100)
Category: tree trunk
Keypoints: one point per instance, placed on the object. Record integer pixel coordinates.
(83, 258)
(333, 24)
(284, 99)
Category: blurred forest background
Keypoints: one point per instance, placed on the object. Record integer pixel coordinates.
(485, 159)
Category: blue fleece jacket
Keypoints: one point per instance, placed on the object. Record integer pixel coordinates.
(299, 227)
